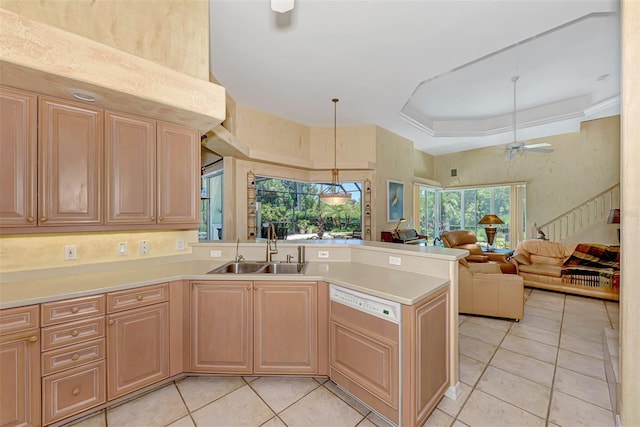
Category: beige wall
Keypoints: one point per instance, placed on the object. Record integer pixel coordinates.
(424, 165)
(582, 165)
(395, 161)
(174, 33)
(629, 388)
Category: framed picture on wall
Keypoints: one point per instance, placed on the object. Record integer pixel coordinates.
(395, 200)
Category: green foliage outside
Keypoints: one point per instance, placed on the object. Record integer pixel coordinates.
(296, 206)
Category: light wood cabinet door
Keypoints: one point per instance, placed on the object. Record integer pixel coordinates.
(137, 348)
(20, 379)
(285, 328)
(18, 161)
(130, 164)
(222, 327)
(70, 164)
(178, 170)
(425, 342)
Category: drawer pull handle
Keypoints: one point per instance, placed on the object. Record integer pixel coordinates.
(153, 218)
(75, 357)
(30, 219)
(43, 219)
(76, 391)
(75, 333)
(33, 339)
(139, 297)
(74, 310)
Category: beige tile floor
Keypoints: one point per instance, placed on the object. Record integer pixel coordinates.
(546, 370)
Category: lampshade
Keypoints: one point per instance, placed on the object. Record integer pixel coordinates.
(334, 194)
(614, 216)
(490, 219)
(399, 222)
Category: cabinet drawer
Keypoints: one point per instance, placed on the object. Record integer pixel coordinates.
(72, 309)
(72, 333)
(72, 356)
(18, 319)
(73, 391)
(132, 298)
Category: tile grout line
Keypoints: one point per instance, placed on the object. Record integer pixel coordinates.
(555, 365)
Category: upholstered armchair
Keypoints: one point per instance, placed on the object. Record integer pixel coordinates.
(463, 239)
(484, 290)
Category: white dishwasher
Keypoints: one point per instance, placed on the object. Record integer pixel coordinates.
(365, 349)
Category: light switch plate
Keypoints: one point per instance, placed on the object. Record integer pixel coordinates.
(123, 248)
(216, 254)
(395, 260)
(180, 245)
(145, 247)
(70, 252)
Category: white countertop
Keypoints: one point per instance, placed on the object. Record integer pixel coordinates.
(392, 284)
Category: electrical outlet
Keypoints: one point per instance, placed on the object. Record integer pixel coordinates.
(180, 245)
(395, 260)
(216, 254)
(323, 254)
(70, 252)
(145, 247)
(123, 248)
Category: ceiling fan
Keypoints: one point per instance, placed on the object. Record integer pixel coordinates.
(517, 146)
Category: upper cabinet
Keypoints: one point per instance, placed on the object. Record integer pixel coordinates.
(178, 175)
(130, 160)
(77, 168)
(18, 162)
(70, 152)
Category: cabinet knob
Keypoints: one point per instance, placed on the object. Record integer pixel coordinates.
(75, 357)
(75, 333)
(153, 218)
(43, 219)
(160, 218)
(30, 219)
(139, 298)
(248, 288)
(33, 338)
(74, 310)
(111, 322)
(76, 391)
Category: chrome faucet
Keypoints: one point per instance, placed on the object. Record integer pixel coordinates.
(238, 256)
(271, 237)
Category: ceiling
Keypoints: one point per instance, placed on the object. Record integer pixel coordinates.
(433, 71)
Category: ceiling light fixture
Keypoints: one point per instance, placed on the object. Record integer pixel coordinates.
(335, 193)
(281, 6)
(83, 95)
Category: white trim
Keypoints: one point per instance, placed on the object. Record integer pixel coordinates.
(454, 392)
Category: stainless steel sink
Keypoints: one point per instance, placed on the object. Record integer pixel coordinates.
(241, 267)
(284, 268)
(260, 267)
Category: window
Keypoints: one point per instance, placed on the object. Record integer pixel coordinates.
(211, 207)
(297, 213)
(461, 209)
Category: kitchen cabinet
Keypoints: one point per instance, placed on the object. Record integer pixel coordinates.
(285, 328)
(425, 356)
(73, 357)
(18, 163)
(130, 162)
(264, 327)
(153, 172)
(19, 367)
(222, 327)
(138, 324)
(70, 157)
(178, 176)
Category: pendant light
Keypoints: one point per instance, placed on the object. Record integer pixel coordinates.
(334, 194)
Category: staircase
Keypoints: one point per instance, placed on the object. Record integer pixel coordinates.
(593, 211)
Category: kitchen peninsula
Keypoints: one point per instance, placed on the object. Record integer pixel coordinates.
(164, 295)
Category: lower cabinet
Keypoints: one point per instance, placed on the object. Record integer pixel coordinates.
(285, 328)
(254, 327)
(137, 348)
(20, 379)
(222, 327)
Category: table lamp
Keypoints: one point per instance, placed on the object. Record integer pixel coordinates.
(489, 220)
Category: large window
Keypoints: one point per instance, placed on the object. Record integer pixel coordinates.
(462, 209)
(295, 209)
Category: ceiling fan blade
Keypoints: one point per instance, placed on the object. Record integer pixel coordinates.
(542, 144)
(511, 154)
(538, 150)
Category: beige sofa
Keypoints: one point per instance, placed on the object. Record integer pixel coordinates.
(540, 264)
(484, 290)
(463, 239)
